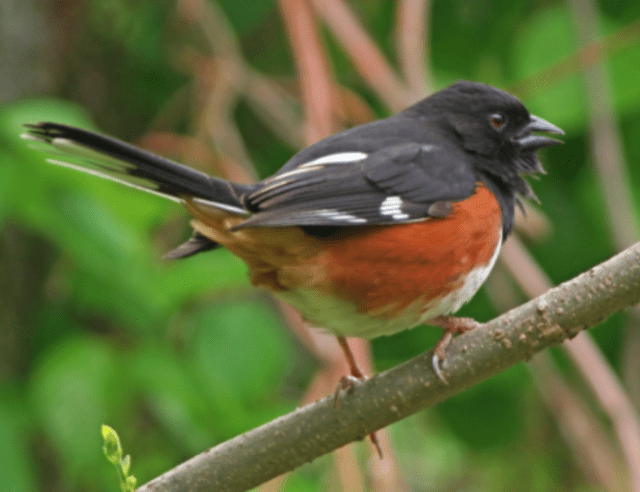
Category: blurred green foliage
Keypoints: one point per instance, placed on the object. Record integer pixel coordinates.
(95, 328)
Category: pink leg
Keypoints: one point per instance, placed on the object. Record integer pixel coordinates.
(451, 326)
(347, 382)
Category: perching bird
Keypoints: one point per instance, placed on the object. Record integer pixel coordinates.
(374, 230)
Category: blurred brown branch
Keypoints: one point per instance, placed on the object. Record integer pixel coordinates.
(312, 66)
(364, 54)
(413, 39)
(590, 54)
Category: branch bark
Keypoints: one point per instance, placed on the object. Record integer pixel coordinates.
(309, 432)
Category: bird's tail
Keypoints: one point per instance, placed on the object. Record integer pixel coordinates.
(116, 160)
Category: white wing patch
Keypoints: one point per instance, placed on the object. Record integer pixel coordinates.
(334, 214)
(279, 180)
(339, 158)
(392, 206)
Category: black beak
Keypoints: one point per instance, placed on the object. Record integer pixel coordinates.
(535, 142)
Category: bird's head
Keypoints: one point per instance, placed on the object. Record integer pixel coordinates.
(494, 126)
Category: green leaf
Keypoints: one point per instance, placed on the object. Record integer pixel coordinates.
(112, 448)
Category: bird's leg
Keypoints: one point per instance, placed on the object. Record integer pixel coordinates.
(348, 381)
(356, 372)
(451, 326)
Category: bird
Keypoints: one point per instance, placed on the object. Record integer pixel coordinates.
(376, 229)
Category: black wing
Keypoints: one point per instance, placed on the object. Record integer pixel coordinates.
(401, 183)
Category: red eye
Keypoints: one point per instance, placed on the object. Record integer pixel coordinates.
(498, 120)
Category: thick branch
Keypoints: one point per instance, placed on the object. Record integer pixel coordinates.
(301, 436)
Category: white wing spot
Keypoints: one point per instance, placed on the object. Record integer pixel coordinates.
(392, 206)
(339, 158)
(334, 214)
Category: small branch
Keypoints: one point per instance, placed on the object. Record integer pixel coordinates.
(605, 47)
(532, 224)
(606, 142)
(277, 108)
(412, 39)
(364, 54)
(314, 77)
(221, 79)
(301, 436)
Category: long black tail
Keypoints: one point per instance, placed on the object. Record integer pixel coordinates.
(116, 160)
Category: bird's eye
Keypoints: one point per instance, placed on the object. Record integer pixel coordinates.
(498, 120)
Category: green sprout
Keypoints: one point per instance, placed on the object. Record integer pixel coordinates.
(113, 451)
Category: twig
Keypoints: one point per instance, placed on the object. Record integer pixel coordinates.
(412, 39)
(289, 441)
(312, 67)
(364, 54)
(278, 108)
(590, 54)
(610, 163)
(220, 81)
(533, 224)
(606, 142)
(270, 101)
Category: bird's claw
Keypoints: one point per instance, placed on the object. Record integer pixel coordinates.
(435, 363)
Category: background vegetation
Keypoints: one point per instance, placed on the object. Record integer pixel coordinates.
(95, 328)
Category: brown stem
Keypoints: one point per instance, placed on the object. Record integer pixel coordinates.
(413, 40)
(364, 54)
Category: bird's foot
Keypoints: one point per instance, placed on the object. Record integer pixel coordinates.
(451, 326)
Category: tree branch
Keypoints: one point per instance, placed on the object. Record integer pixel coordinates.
(309, 432)
(592, 453)
(413, 44)
(365, 55)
